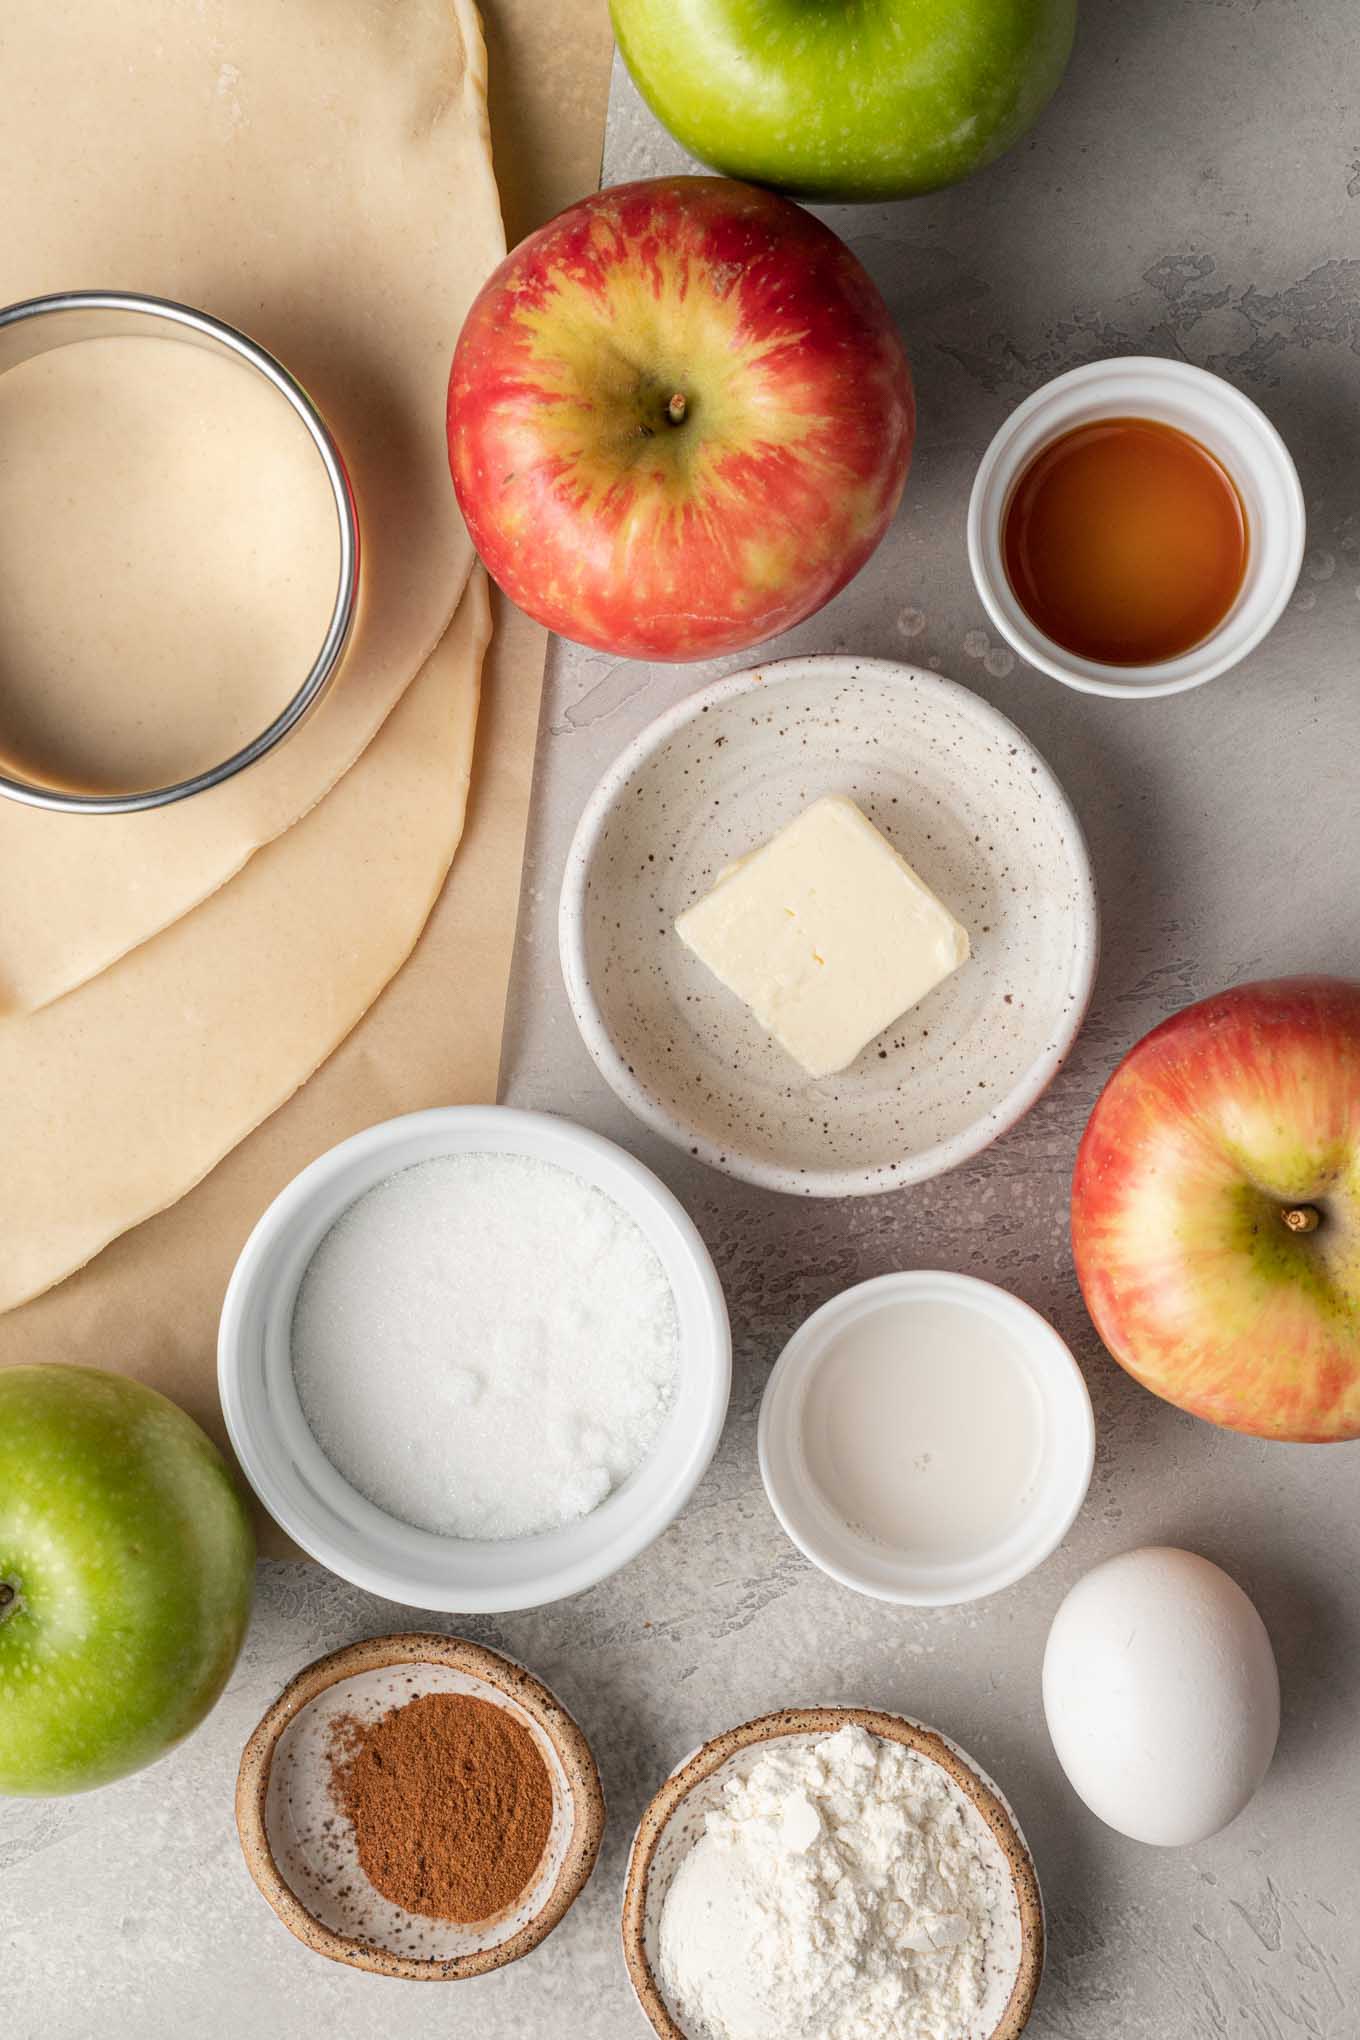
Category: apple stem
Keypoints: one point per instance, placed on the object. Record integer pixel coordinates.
(9, 1595)
(1302, 1218)
(677, 408)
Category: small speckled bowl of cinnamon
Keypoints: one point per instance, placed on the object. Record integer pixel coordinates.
(419, 1806)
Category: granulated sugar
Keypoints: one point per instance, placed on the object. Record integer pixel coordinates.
(485, 1346)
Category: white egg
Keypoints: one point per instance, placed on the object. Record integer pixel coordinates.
(1162, 1695)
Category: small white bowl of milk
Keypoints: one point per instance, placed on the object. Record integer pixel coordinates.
(926, 1438)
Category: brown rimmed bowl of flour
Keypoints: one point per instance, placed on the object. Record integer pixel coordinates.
(419, 1806)
(737, 1919)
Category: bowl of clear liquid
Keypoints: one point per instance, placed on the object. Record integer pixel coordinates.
(926, 1438)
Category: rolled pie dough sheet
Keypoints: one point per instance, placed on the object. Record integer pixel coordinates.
(120, 1097)
(317, 173)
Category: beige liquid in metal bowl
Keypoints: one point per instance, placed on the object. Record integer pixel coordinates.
(169, 557)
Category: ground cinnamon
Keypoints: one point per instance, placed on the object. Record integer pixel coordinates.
(450, 1801)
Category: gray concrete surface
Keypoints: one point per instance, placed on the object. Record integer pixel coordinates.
(1194, 190)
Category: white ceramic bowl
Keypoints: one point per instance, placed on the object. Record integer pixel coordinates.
(1239, 435)
(919, 1579)
(316, 1505)
(675, 1820)
(966, 799)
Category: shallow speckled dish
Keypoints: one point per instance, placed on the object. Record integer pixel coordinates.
(964, 797)
(301, 1853)
(675, 1819)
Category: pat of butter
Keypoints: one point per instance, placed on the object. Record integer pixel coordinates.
(826, 933)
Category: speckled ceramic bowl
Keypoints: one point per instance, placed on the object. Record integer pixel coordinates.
(301, 1852)
(675, 1819)
(968, 802)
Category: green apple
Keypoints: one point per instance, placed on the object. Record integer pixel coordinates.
(126, 1566)
(846, 99)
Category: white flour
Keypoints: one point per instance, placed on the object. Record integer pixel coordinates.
(843, 1890)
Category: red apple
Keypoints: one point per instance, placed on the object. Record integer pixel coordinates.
(1216, 1210)
(680, 419)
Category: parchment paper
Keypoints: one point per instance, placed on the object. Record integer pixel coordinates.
(148, 1305)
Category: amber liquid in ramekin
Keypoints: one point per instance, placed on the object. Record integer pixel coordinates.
(1125, 541)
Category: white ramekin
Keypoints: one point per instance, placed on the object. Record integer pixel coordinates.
(856, 1560)
(1221, 419)
(317, 1506)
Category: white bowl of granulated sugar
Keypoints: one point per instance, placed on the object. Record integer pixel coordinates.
(474, 1359)
(832, 1869)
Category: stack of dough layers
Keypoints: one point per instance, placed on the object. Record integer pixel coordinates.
(318, 174)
